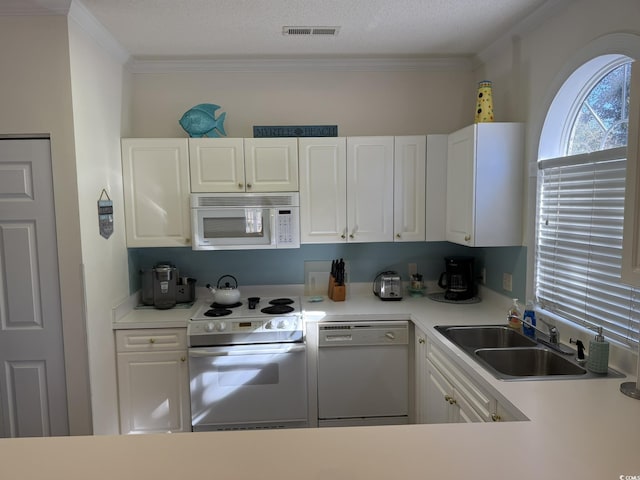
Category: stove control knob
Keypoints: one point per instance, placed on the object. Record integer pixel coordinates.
(268, 325)
(221, 326)
(209, 327)
(283, 324)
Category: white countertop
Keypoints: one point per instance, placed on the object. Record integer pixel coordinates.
(581, 429)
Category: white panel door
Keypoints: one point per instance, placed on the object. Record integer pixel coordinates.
(33, 400)
(461, 186)
(271, 164)
(154, 392)
(323, 190)
(216, 165)
(370, 189)
(409, 188)
(155, 177)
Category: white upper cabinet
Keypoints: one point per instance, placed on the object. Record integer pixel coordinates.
(631, 241)
(370, 189)
(353, 189)
(323, 189)
(243, 165)
(271, 164)
(216, 165)
(484, 185)
(155, 175)
(409, 188)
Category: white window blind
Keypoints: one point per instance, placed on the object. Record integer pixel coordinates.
(579, 247)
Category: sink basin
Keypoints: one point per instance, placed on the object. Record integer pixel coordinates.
(510, 355)
(528, 362)
(488, 336)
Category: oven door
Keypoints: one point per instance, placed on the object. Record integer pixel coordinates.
(248, 387)
(233, 228)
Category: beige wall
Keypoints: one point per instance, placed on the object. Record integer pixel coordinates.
(359, 102)
(96, 80)
(35, 95)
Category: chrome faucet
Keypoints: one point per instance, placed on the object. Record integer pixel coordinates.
(554, 335)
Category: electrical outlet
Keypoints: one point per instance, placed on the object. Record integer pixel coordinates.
(483, 273)
(413, 269)
(507, 282)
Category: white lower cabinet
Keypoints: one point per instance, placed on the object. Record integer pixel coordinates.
(450, 396)
(153, 381)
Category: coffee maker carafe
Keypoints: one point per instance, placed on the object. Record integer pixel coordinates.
(164, 286)
(458, 278)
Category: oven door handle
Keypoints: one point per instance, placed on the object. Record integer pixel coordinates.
(228, 352)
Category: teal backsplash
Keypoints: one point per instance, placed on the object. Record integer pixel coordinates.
(366, 260)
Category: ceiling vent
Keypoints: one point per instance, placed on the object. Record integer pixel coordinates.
(311, 31)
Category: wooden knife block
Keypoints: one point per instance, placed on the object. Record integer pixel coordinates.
(337, 293)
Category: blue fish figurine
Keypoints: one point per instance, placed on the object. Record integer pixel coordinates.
(200, 121)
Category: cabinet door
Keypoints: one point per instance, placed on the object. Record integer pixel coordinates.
(271, 164)
(409, 165)
(155, 175)
(464, 412)
(216, 165)
(370, 189)
(323, 190)
(439, 394)
(154, 392)
(461, 186)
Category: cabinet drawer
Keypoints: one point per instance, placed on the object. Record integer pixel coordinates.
(151, 340)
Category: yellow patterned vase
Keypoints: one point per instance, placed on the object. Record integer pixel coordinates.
(484, 104)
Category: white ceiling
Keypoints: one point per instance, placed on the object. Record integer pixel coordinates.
(253, 28)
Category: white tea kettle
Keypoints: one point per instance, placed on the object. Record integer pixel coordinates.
(227, 294)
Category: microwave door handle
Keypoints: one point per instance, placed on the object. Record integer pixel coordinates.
(234, 352)
(273, 233)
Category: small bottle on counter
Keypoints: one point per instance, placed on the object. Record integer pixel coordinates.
(598, 361)
(529, 320)
(514, 316)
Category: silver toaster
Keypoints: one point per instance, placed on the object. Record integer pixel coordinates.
(388, 286)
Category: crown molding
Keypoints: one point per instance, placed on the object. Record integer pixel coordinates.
(20, 8)
(167, 65)
(85, 19)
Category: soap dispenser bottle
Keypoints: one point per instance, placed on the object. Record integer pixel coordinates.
(598, 361)
(514, 316)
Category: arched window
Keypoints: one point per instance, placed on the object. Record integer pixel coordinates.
(581, 203)
(603, 117)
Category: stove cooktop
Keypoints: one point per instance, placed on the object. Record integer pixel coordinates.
(265, 307)
(271, 320)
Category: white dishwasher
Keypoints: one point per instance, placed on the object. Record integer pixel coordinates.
(363, 373)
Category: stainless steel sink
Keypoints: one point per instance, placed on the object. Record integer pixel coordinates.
(528, 362)
(510, 355)
(489, 336)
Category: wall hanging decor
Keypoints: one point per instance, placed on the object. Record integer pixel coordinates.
(105, 214)
(201, 121)
(484, 102)
(295, 131)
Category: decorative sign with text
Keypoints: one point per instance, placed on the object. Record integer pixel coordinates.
(295, 131)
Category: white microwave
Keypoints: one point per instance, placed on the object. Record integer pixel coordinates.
(236, 221)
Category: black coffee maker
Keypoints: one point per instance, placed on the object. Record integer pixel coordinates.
(458, 278)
